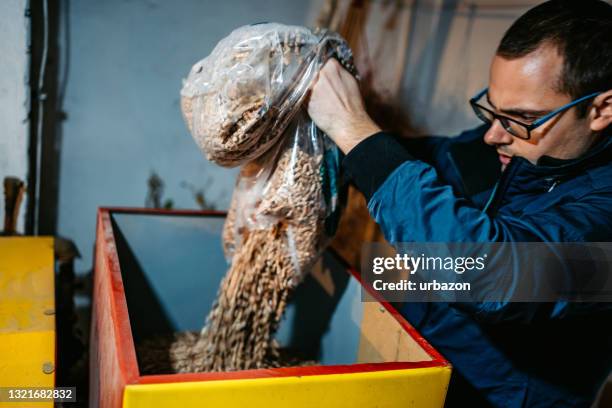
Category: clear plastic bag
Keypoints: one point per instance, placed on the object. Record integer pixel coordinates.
(244, 106)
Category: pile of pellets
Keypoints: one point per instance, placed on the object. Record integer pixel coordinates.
(268, 259)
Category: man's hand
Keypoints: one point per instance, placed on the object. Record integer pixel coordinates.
(337, 108)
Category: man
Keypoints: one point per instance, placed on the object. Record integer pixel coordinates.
(547, 117)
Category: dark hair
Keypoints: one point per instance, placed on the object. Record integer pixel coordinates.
(581, 31)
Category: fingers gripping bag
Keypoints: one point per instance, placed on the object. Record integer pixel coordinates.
(244, 106)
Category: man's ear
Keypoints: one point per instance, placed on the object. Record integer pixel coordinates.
(601, 111)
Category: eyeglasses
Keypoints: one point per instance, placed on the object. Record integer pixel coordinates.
(514, 127)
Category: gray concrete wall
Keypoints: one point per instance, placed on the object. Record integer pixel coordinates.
(14, 94)
(127, 60)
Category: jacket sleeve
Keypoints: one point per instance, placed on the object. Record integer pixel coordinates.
(411, 203)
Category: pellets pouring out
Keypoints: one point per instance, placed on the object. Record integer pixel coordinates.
(243, 104)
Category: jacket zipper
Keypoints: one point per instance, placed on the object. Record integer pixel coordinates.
(490, 200)
(500, 189)
(553, 185)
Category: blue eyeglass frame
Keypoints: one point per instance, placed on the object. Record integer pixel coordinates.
(529, 127)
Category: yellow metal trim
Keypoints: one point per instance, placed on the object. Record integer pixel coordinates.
(419, 387)
(27, 320)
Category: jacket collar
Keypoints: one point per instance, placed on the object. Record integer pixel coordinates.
(524, 177)
(599, 154)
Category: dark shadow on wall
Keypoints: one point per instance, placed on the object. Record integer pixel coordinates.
(314, 308)
(148, 316)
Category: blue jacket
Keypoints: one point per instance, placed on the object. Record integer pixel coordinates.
(451, 190)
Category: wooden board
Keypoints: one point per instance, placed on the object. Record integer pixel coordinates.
(383, 339)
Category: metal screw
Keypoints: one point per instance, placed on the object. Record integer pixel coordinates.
(48, 368)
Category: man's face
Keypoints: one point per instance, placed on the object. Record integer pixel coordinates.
(526, 89)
